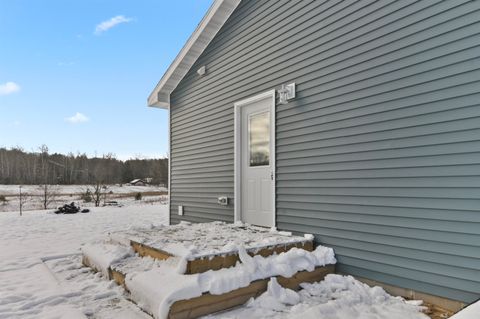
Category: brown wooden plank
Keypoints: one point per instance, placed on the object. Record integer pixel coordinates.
(144, 250)
(305, 277)
(436, 312)
(208, 303)
(117, 276)
(218, 262)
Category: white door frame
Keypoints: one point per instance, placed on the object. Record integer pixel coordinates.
(238, 148)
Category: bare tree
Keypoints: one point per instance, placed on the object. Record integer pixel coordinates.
(49, 195)
(105, 193)
(23, 198)
(98, 190)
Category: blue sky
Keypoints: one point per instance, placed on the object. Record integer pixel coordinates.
(75, 75)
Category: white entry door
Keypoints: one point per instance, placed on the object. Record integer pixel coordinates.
(256, 131)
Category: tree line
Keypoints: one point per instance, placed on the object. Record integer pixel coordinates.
(40, 168)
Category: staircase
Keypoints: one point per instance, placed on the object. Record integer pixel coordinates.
(149, 267)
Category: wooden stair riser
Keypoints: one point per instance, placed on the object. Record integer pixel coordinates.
(147, 251)
(217, 262)
(208, 303)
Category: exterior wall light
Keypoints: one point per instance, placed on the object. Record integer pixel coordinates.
(287, 92)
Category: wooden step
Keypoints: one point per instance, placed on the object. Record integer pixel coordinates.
(208, 303)
(203, 264)
(209, 246)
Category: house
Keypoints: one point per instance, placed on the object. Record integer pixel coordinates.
(138, 182)
(356, 121)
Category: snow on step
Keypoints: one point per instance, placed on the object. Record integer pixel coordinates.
(156, 290)
(209, 246)
(205, 240)
(100, 256)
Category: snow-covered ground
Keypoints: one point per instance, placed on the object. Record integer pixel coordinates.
(64, 194)
(77, 189)
(31, 242)
(41, 275)
(336, 297)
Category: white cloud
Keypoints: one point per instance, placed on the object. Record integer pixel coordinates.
(110, 23)
(9, 88)
(61, 63)
(77, 118)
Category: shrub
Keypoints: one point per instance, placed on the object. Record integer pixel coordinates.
(87, 196)
(138, 196)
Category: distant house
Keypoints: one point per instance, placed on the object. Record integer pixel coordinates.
(138, 182)
(357, 121)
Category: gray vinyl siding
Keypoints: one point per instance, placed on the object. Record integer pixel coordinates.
(379, 154)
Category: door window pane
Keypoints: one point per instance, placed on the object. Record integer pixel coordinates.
(259, 139)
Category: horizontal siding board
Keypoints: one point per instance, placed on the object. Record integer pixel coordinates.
(423, 276)
(215, 182)
(199, 218)
(350, 146)
(465, 130)
(378, 123)
(413, 202)
(211, 140)
(447, 99)
(408, 253)
(467, 16)
(200, 157)
(194, 151)
(204, 170)
(401, 232)
(412, 192)
(321, 232)
(453, 226)
(379, 163)
(208, 207)
(444, 270)
(286, 208)
(400, 182)
(379, 153)
(426, 171)
(347, 23)
(429, 288)
(437, 92)
(270, 31)
(383, 153)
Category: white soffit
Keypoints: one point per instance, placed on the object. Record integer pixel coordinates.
(206, 30)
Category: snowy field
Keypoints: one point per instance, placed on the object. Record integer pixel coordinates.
(29, 243)
(41, 275)
(65, 194)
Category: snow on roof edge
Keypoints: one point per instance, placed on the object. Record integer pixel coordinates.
(206, 30)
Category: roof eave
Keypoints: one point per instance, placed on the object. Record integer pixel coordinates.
(206, 30)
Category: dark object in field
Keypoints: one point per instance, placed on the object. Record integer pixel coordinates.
(68, 209)
(111, 203)
(85, 210)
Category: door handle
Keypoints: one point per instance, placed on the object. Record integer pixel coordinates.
(271, 175)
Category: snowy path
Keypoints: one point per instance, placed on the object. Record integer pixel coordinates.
(28, 289)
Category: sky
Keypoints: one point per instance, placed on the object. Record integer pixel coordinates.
(75, 75)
